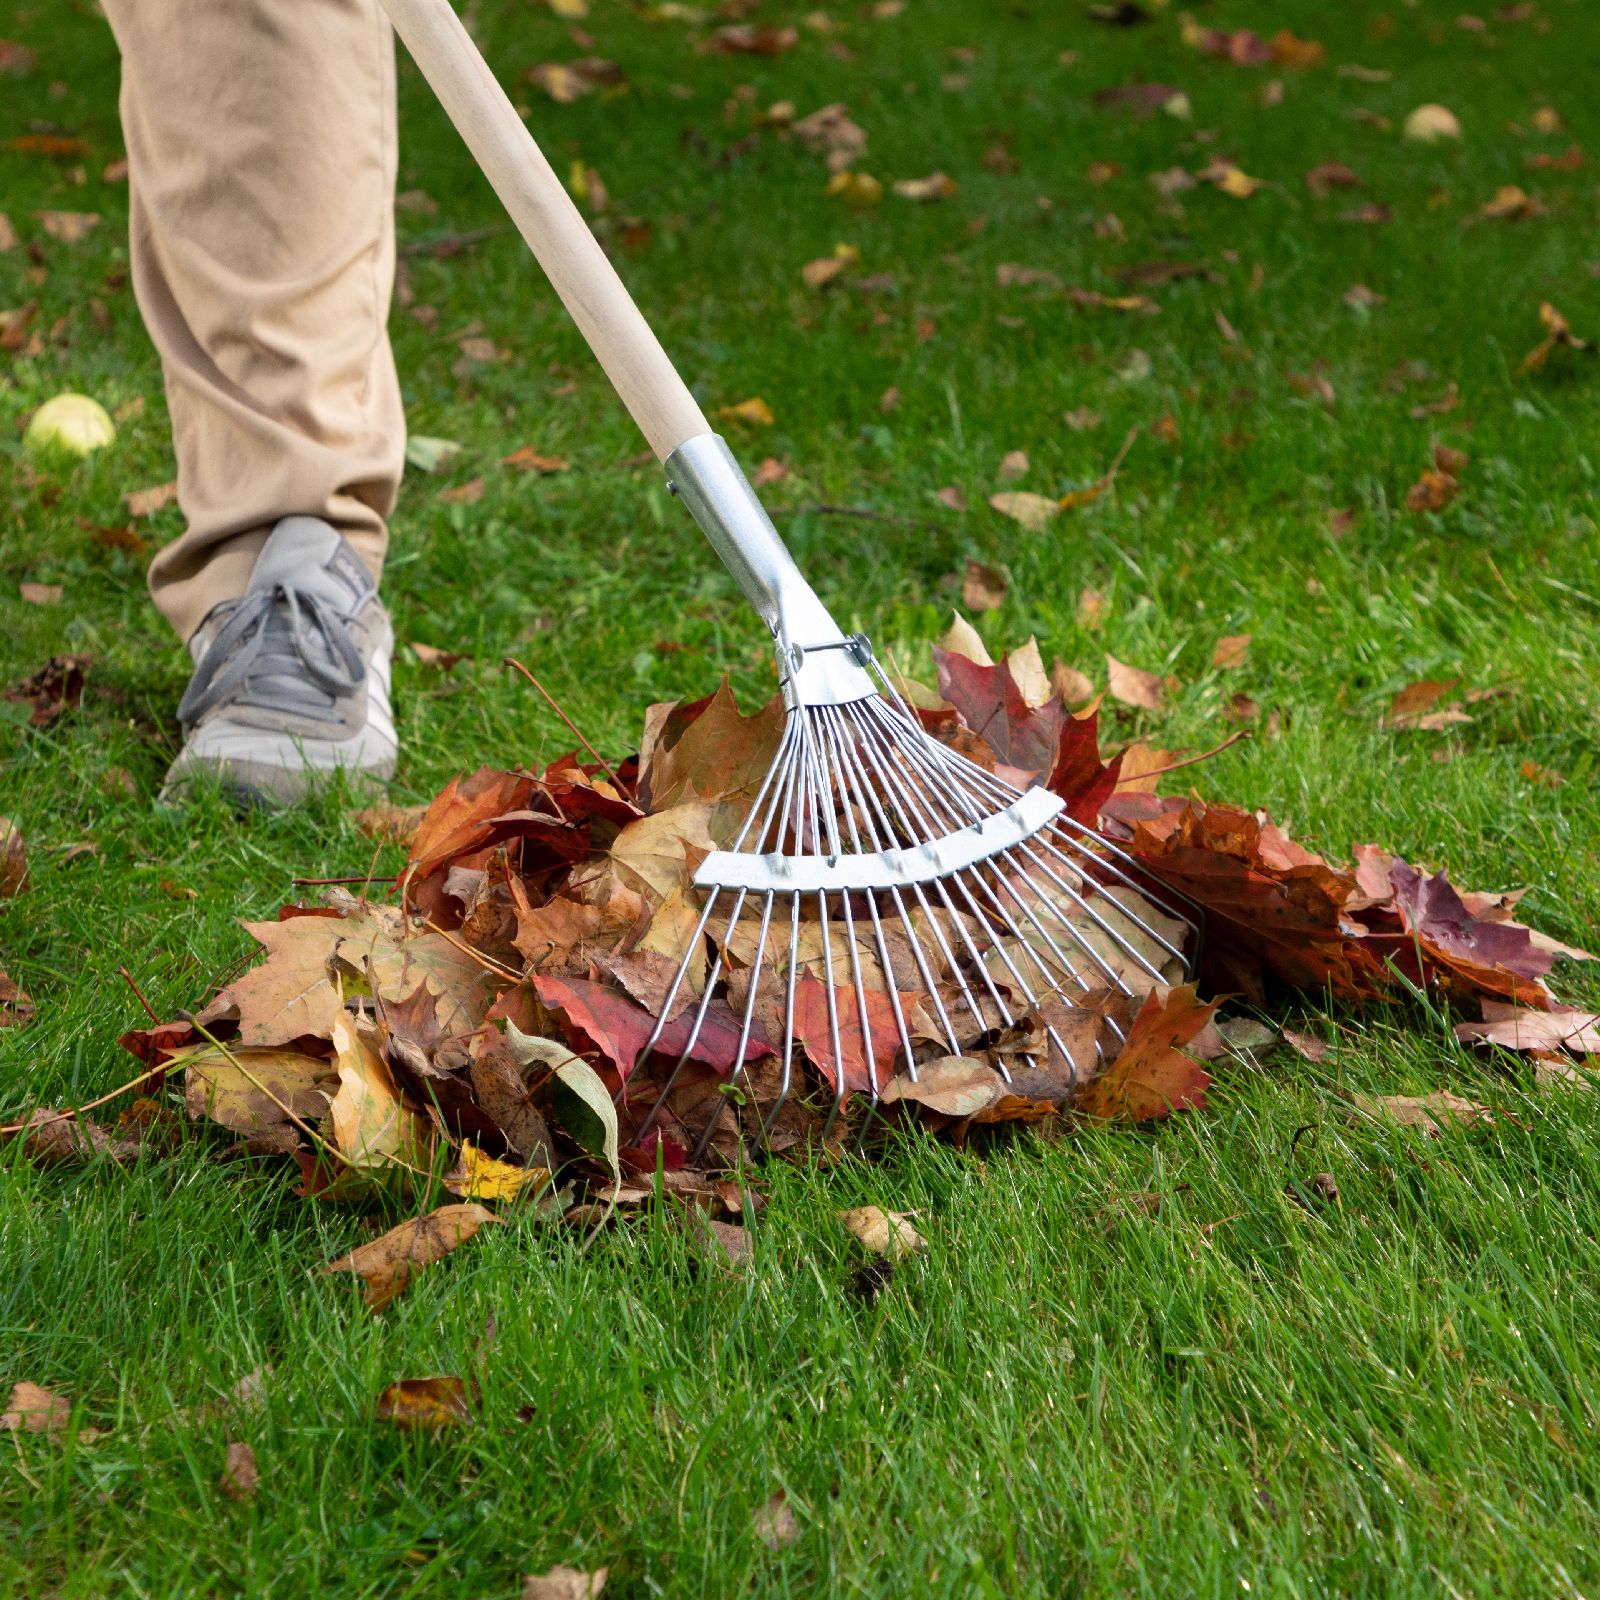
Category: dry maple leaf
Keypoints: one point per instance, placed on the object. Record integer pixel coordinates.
(146, 502)
(67, 226)
(953, 1086)
(983, 586)
(1033, 511)
(1516, 1027)
(1153, 1076)
(708, 750)
(1231, 650)
(749, 39)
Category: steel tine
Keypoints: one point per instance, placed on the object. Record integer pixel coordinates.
(699, 1020)
(704, 1141)
(787, 1077)
(845, 758)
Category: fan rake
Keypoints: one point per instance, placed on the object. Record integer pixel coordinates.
(876, 863)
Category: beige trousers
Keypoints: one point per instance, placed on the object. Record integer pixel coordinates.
(261, 163)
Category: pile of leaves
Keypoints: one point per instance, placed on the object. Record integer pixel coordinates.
(491, 1031)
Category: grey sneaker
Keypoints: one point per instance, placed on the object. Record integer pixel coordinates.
(291, 680)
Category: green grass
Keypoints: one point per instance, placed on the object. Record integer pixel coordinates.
(1395, 1395)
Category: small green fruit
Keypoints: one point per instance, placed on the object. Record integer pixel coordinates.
(71, 423)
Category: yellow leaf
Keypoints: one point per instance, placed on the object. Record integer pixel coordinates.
(371, 1127)
(936, 186)
(754, 412)
(483, 1177)
(859, 188)
(570, 10)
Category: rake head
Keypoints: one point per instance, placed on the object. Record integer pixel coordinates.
(887, 901)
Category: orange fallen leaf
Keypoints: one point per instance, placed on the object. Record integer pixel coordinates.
(463, 494)
(425, 1403)
(527, 459)
(1231, 650)
(1417, 706)
(1433, 491)
(1557, 331)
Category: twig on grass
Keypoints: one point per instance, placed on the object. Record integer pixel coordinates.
(576, 731)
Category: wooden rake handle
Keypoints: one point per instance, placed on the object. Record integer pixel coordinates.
(539, 204)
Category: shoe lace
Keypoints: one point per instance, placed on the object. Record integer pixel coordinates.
(281, 647)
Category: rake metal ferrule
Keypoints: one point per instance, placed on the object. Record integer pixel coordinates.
(863, 872)
(819, 663)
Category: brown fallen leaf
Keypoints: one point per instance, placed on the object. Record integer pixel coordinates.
(983, 588)
(1417, 707)
(565, 1583)
(463, 494)
(430, 655)
(884, 1233)
(819, 274)
(146, 502)
(829, 132)
(774, 1523)
(425, 1403)
(68, 226)
(239, 1474)
(1330, 175)
(33, 1409)
(1132, 686)
(1436, 408)
(390, 823)
(1430, 1113)
(388, 1264)
(1307, 1045)
(567, 81)
(1231, 650)
(40, 594)
(1510, 204)
(13, 860)
(954, 1086)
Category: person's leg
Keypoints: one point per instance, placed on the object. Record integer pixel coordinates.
(261, 155)
(261, 162)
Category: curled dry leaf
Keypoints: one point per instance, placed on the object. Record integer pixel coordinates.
(884, 1233)
(954, 1086)
(1429, 1113)
(565, 1583)
(430, 1403)
(388, 1264)
(146, 502)
(936, 186)
(1417, 706)
(1557, 331)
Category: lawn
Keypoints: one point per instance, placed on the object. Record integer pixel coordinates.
(1079, 1389)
